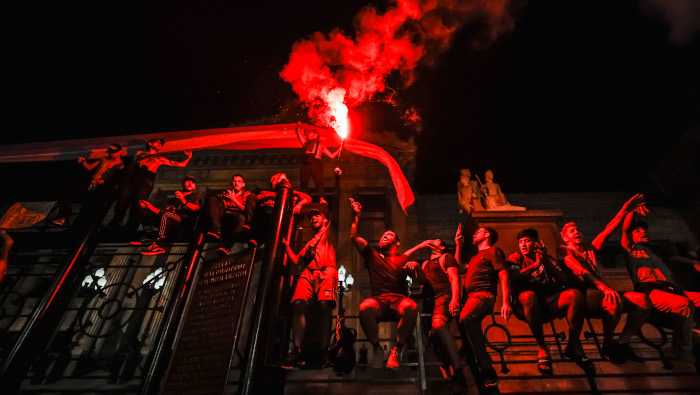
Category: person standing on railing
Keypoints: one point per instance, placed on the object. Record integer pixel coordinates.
(320, 279)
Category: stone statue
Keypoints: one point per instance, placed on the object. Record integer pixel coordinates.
(468, 193)
(494, 197)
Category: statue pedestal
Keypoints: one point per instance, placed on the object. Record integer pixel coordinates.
(509, 223)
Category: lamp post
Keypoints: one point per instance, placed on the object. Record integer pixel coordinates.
(345, 282)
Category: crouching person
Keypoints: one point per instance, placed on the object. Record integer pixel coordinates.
(177, 218)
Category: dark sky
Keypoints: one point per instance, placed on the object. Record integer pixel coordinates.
(578, 96)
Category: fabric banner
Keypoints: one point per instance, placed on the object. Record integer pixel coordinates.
(238, 138)
(25, 214)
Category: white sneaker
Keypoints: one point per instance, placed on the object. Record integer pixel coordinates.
(377, 360)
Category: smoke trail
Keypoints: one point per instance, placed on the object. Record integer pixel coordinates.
(329, 71)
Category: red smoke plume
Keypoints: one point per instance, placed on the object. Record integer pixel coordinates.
(332, 71)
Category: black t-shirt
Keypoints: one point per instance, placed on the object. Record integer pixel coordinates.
(545, 279)
(386, 274)
(438, 283)
(482, 272)
(176, 205)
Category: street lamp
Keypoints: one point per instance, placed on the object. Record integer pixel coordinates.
(345, 281)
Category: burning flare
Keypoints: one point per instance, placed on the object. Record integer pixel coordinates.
(331, 72)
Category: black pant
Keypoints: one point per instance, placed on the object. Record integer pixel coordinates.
(312, 168)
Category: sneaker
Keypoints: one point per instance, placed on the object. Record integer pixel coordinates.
(377, 360)
(326, 359)
(154, 249)
(490, 378)
(215, 236)
(393, 361)
(292, 359)
(629, 354)
(613, 353)
(58, 221)
(222, 252)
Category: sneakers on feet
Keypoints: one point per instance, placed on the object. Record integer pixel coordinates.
(153, 249)
(377, 360)
(613, 353)
(292, 359)
(393, 361)
(490, 378)
(628, 352)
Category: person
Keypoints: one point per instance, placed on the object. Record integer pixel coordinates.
(439, 278)
(139, 183)
(495, 199)
(267, 198)
(540, 295)
(578, 258)
(235, 208)
(7, 243)
(653, 277)
(178, 217)
(484, 271)
(312, 166)
(387, 277)
(468, 193)
(320, 279)
(97, 175)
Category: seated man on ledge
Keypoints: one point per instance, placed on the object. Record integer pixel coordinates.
(387, 276)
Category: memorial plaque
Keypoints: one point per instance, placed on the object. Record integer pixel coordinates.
(201, 359)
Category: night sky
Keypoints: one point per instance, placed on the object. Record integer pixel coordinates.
(577, 96)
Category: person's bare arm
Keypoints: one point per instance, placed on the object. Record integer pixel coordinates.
(288, 250)
(300, 134)
(629, 206)
(458, 244)
(303, 199)
(87, 166)
(453, 276)
(330, 154)
(417, 271)
(174, 163)
(358, 241)
(147, 205)
(423, 244)
(627, 240)
(506, 310)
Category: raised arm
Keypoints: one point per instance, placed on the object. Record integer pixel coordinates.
(629, 206)
(627, 240)
(358, 241)
(300, 134)
(422, 244)
(458, 245)
(288, 250)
